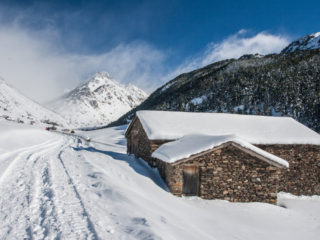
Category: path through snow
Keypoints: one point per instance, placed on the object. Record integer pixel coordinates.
(62, 187)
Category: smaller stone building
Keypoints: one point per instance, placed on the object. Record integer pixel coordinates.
(228, 156)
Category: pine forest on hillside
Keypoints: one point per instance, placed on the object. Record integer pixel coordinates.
(286, 84)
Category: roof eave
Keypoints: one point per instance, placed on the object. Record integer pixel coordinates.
(130, 125)
(248, 151)
(257, 155)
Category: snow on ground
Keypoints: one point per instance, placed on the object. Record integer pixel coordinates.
(62, 187)
(198, 100)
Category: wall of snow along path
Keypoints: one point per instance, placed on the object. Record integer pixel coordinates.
(193, 144)
(168, 125)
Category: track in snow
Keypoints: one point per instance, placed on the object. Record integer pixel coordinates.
(39, 199)
(67, 188)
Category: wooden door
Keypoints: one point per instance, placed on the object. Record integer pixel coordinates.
(190, 185)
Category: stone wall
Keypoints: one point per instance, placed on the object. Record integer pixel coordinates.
(142, 141)
(145, 147)
(303, 175)
(238, 181)
(227, 173)
(171, 175)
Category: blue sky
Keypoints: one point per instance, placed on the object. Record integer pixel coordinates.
(61, 43)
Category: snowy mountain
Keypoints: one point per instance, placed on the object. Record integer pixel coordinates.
(15, 106)
(98, 101)
(311, 41)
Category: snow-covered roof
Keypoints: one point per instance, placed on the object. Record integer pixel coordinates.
(167, 125)
(194, 144)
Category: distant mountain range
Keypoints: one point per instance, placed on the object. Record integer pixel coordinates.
(98, 101)
(16, 107)
(285, 84)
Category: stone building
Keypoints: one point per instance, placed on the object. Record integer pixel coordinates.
(234, 157)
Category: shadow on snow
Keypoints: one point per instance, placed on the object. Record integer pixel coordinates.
(137, 164)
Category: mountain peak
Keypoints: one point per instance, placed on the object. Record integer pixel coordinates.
(97, 80)
(102, 75)
(311, 41)
(98, 101)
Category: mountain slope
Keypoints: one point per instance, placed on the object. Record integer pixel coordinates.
(98, 101)
(278, 84)
(311, 41)
(15, 106)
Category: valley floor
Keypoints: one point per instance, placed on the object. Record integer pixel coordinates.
(60, 187)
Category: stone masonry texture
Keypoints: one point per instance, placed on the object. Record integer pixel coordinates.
(231, 174)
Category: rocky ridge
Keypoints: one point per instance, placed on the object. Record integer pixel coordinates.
(311, 41)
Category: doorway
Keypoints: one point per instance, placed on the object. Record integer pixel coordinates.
(190, 185)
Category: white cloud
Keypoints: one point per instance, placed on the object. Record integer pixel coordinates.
(235, 46)
(34, 63)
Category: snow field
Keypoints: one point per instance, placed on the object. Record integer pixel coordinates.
(66, 188)
(25, 203)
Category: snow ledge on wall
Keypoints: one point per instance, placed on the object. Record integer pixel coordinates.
(197, 143)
